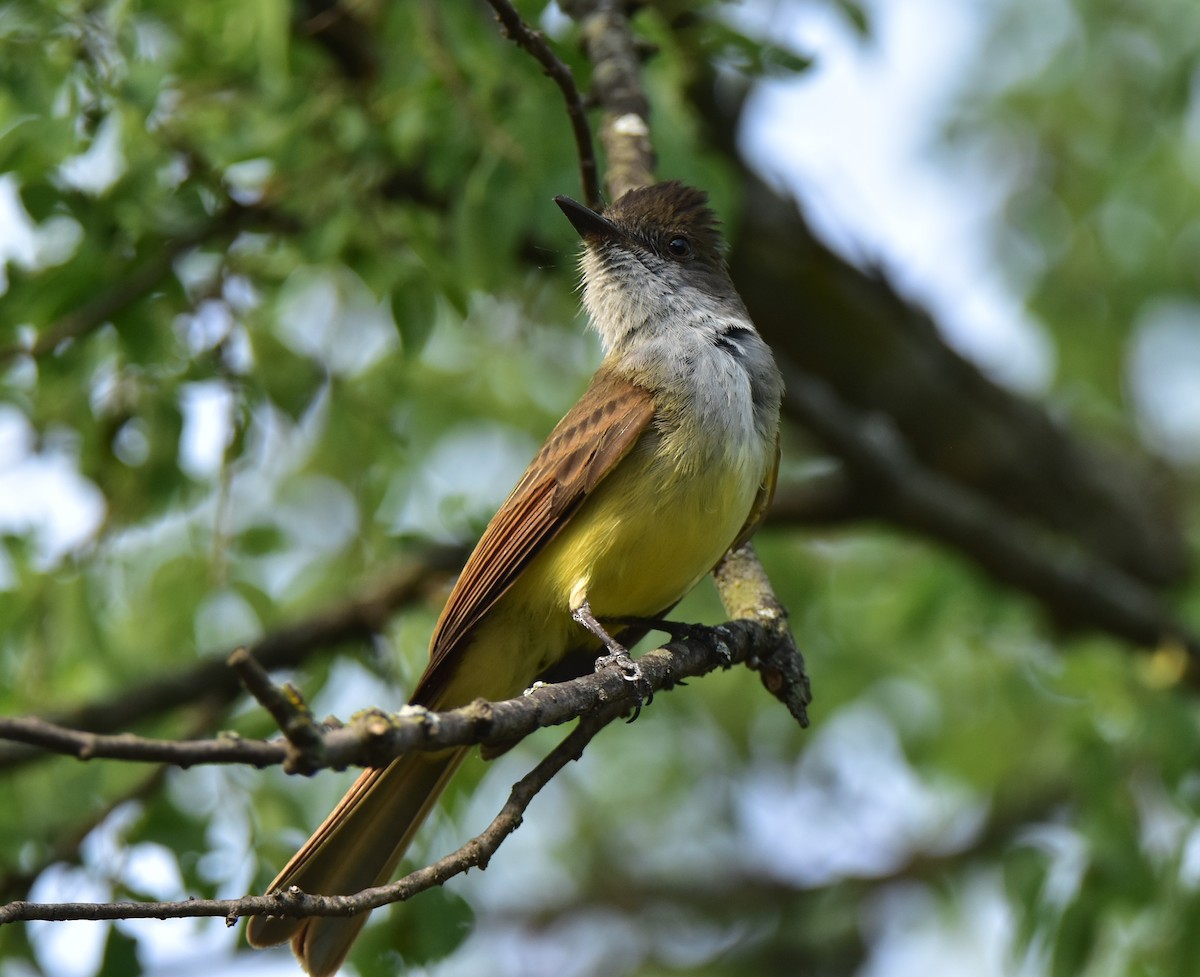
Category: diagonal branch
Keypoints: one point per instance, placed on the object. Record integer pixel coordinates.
(617, 85)
(882, 352)
(521, 34)
(476, 853)
(136, 283)
(1078, 587)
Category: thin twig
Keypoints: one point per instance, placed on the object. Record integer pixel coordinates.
(617, 85)
(534, 42)
(356, 618)
(476, 853)
(294, 903)
(306, 744)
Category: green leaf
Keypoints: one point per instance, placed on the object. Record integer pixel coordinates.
(120, 955)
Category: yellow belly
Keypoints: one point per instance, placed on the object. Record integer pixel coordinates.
(638, 543)
(644, 539)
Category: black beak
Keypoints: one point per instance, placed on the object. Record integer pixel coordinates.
(587, 222)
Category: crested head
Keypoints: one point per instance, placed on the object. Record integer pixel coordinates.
(654, 258)
(658, 293)
(653, 215)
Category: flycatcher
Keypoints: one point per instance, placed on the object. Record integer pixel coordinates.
(667, 461)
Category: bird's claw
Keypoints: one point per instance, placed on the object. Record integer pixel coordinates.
(631, 671)
(720, 644)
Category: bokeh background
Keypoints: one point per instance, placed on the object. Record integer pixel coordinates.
(284, 303)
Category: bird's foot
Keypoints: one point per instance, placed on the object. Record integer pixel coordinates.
(631, 671)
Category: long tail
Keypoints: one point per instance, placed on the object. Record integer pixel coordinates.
(357, 846)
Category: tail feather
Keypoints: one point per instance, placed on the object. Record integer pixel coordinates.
(358, 846)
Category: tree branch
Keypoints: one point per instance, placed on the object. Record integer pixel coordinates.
(134, 283)
(476, 853)
(524, 36)
(882, 352)
(597, 699)
(374, 738)
(1077, 586)
(306, 745)
(294, 903)
(357, 618)
(612, 48)
(66, 848)
(747, 595)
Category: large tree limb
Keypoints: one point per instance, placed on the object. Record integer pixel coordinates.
(882, 352)
(1075, 585)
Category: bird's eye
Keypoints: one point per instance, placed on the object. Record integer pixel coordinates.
(680, 248)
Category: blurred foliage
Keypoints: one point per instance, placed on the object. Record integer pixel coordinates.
(340, 319)
(1094, 105)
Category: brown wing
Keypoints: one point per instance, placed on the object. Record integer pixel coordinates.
(587, 443)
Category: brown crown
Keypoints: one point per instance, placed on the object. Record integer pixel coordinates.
(667, 208)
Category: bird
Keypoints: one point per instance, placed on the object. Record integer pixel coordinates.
(666, 462)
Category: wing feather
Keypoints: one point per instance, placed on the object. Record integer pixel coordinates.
(585, 446)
